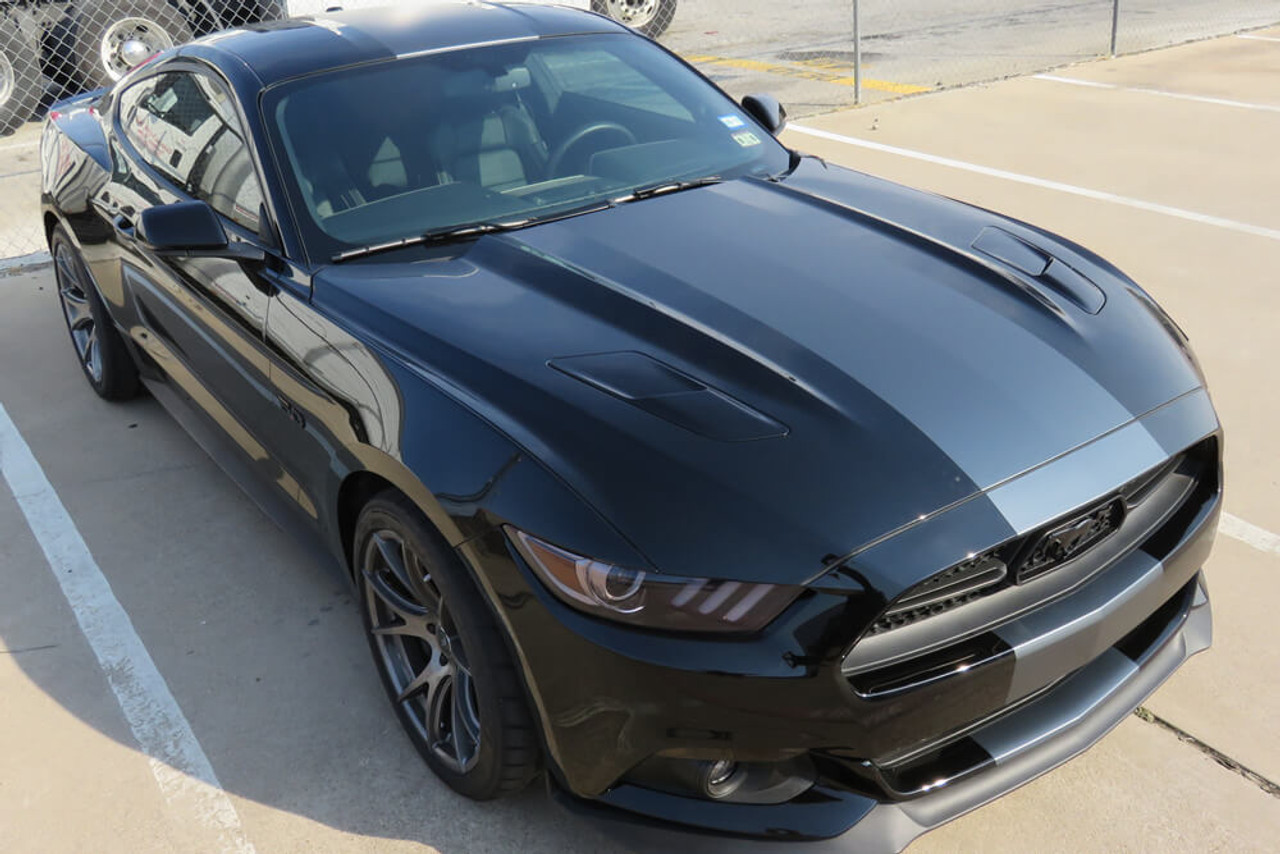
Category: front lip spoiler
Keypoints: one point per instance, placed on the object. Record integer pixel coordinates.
(891, 826)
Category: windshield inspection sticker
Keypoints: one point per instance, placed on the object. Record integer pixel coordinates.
(732, 122)
(746, 139)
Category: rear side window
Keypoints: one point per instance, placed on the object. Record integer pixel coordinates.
(184, 125)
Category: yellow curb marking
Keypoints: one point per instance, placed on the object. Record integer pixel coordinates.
(818, 70)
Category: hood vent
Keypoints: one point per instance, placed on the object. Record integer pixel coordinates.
(1052, 272)
(661, 390)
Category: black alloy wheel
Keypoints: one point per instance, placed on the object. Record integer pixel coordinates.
(99, 347)
(441, 655)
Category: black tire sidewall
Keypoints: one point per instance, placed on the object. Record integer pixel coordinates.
(92, 19)
(23, 56)
(476, 625)
(119, 379)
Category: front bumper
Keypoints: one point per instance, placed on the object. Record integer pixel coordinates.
(1069, 655)
(1038, 737)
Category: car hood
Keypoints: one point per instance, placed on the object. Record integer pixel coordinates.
(776, 373)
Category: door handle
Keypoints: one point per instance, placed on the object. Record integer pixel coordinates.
(294, 413)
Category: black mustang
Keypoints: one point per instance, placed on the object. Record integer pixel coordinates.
(734, 489)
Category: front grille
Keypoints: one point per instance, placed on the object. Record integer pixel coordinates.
(1037, 553)
(949, 589)
(1069, 540)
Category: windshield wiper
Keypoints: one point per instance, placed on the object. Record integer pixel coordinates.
(439, 235)
(467, 232)
(665, 187)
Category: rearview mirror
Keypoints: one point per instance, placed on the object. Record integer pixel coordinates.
(767, 111)
(190, 230)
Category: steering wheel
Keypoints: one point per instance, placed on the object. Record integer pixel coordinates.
(574, 139)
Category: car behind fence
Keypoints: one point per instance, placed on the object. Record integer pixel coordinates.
(816, 55)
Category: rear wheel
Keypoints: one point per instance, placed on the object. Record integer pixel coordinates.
(651, 17)
(114, 36)
(99, 347)
(441, 654)
(20, 79)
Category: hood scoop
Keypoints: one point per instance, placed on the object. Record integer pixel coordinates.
(1000, 245)
(661, 390)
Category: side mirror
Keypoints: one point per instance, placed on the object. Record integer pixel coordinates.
(190, 230)
(767, 111)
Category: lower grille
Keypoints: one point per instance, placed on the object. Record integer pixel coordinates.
(962, 753)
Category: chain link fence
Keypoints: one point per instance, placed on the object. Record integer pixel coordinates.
(814, 55)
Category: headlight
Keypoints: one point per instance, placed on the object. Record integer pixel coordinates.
(671, 602)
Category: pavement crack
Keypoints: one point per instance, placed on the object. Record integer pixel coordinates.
(28, 649)
(1216, 755)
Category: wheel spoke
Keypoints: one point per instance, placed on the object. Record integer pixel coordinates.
(416, 628)
(392, 552)
(77, 315)
(68, 274)
(466, 721)
(397, 602)
(93, 354)
(457, 652)
(428, 682)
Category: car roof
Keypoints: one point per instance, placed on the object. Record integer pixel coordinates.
(278, 50)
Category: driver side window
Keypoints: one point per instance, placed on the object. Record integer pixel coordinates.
(184, 126)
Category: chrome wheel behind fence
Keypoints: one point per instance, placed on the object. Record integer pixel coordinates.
(73, 291)
(651, 17)
(8, 79)
(634, 13)
(129, 42)
(420, 650)
(20, 78)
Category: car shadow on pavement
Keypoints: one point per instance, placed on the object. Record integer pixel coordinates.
(259, 641)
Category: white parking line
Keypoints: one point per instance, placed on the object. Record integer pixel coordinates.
(177, 761)
(1252, 37)
(15, 145)
(1099, 195)
(1180, 96)
(1260, 538)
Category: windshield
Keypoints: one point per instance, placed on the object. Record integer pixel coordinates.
(506, 134)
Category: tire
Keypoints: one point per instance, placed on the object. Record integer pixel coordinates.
(650, 17)
(20, 80)
(441, 654)
(58, 58)
(102, 27)
(99, 347)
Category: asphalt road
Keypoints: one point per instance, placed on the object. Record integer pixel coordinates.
(1155, 164)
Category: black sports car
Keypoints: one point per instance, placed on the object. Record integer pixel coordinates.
(735, 490)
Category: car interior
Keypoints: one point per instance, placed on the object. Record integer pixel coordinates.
(446, 143)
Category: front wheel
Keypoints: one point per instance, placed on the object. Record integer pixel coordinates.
(441, 654)
(651, 17)
(100, 348)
